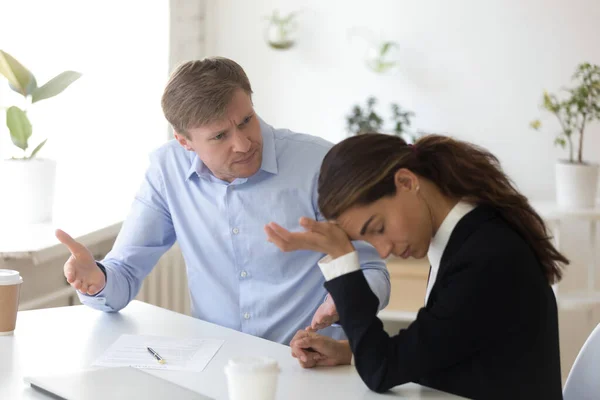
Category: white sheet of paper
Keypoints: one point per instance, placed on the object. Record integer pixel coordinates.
(180, 354)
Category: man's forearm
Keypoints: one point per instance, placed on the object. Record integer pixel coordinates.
(379, 282)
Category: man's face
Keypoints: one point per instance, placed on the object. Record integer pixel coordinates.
(231, 147)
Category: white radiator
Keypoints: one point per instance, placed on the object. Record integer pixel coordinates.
(166, 286)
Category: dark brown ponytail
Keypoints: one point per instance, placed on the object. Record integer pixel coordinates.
(361, 169)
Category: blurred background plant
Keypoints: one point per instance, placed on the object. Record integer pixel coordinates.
(366, 119)
(281, 29)
(576, 110)
(23, 82)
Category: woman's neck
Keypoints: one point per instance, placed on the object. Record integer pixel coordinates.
(439, 204)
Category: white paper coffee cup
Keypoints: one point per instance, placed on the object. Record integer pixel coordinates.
(10, 284)
(252, 378)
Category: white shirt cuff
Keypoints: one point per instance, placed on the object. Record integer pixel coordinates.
(352, 360)
(343, 265)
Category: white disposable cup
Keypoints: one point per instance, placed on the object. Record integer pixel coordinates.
(10, 283)
(252, 378)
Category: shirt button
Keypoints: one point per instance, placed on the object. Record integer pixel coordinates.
(247, 316)
(243, 274)
(236, 231)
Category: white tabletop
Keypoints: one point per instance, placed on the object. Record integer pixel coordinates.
(68, 339)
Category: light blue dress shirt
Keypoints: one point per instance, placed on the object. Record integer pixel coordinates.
(236, 278)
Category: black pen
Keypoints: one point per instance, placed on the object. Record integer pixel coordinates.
(155, 354)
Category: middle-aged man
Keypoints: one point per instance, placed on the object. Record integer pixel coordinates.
(214, 189)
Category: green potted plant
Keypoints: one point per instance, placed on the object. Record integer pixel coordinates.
(27, 180)
(281, 30)
(366, 119)
(381, 57)
(575, 110)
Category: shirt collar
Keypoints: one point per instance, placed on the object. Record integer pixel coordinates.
(196, 167)
(442, 236)
(269, 155)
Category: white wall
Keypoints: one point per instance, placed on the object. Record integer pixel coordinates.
(474, 69)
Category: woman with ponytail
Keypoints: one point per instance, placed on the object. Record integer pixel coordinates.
(489, 326)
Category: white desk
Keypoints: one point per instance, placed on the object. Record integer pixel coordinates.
(71, 338)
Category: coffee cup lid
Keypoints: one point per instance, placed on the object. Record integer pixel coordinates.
(252, 364)
(10, 277)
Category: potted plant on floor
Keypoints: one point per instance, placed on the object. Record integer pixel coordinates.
(576, 179)
(28, 181)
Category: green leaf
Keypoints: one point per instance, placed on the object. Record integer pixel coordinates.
(385, 47)
(55, 85)
(19, 78)
(19, 126)
(559, 141)
(28, 90)
(38, 148)
(535, 124)
(550, 103)
(384, 66)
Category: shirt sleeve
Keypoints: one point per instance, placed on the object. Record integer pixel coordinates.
(147, 233)
(332, 268)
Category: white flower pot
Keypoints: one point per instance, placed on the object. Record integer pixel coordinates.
(27, 190)
(576, 184)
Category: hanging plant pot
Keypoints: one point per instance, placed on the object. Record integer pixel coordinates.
(280, 33)
(382, 57)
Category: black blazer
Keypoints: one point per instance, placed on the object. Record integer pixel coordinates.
(488, 331)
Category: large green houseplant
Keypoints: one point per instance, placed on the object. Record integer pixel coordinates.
(575, 110)
(27, 180)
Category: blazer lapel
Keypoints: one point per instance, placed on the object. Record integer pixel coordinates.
(465, 227)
